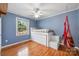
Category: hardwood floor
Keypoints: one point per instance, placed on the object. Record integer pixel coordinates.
(35, 49)
(13, 50)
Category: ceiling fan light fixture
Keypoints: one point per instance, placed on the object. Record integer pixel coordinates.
(36, 12)
(36, 15)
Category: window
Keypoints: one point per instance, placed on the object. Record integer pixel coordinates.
(22, 26)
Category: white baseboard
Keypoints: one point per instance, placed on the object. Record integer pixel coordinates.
(14, 43)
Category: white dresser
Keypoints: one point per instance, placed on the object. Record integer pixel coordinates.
(53, 42)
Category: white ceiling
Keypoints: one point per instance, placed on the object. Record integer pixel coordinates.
(47, 9)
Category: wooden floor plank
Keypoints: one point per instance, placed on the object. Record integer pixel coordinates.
(35, 49)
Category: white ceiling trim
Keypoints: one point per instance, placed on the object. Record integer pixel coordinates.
(58, 13)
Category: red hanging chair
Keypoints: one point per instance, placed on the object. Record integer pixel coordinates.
(67, 37)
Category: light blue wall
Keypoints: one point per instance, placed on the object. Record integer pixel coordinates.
(54, 22)
(57, 24)
(78, 25)
(78, 17)
(9, 29)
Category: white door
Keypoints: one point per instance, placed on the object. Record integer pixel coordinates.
(0, 32)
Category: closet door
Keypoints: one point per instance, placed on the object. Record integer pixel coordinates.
(3, 12)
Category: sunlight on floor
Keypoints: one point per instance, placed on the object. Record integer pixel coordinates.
(23, 52)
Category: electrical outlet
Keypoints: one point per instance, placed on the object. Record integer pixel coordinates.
(6, 41)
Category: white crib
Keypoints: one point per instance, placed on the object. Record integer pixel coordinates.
(39, 36)
(43, 37)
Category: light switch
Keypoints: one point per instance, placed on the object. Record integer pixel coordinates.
(6, 41)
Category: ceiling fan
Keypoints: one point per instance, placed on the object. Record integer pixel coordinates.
(37, 13)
